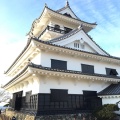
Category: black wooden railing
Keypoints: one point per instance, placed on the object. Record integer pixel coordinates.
(34, 102)
(54, 29)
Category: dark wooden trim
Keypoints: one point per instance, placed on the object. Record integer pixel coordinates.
(41, 104)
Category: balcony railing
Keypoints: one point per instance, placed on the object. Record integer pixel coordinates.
(54, 29)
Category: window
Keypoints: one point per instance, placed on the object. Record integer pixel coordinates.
(58, 64)
(89, 93)
(67, 14)
(59, 95)
(28, 94)
(57, 27)
(76, 45)
(67, 30)
(87, 68)
(17, 100)
(110, 71)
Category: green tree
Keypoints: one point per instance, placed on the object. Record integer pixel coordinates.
(106, 112)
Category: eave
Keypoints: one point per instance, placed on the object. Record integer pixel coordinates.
(28, 53)
(36, 70)
(35, 45)
(47, 46)
(19, 78)
(109, 96)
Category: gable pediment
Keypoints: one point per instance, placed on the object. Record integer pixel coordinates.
(81, 41)
(67, 11)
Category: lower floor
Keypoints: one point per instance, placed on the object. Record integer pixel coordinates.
(58, 101)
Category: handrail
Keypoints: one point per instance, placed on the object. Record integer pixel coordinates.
(54, 29)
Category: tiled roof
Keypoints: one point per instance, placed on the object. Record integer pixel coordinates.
(58, 70)
(113, 89)
(72, 71)
(49, 43)
(52, 44)
(59, 14)
(71, 17)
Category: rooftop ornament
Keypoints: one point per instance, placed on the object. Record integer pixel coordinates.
(67, 3)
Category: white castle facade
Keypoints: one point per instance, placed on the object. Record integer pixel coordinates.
(61, 69)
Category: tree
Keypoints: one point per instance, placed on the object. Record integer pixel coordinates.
(4, 95)
(106, 112)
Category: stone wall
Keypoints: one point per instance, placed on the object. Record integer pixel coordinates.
(19, 116)
(66, 117)
(23, 116)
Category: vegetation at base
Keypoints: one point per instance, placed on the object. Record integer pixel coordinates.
(106, 112)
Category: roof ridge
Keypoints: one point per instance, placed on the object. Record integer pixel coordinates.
(96, 43)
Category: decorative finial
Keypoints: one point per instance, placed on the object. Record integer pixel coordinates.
(45, 4)
(67, 3)
(80, 26)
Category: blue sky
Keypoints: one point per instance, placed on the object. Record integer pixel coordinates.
(16, 18)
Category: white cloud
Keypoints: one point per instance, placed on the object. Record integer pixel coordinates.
(9, 51)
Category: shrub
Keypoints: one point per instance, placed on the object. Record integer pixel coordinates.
(105, 112)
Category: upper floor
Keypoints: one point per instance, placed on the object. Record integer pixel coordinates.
(52, 24)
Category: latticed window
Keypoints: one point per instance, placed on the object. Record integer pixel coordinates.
(76, 45)
(57, 27)
(87, 68)
(59, 95)
(28, 94)
(58, 64)
(110, 71)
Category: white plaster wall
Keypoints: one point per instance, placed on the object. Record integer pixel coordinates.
(73, 87)
(78, 36)
(32, 85)
(74, 63)
(110, 100)
(37, 59)
(86, 47)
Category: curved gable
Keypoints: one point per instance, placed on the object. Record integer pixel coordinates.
(78, 39)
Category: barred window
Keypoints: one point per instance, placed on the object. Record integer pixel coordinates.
(28, 94)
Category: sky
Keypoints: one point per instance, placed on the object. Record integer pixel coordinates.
(17, 16)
